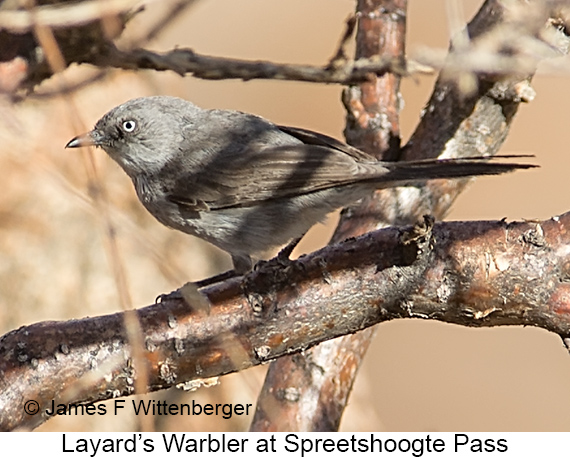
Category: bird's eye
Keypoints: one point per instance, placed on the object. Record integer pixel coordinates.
(129, 126)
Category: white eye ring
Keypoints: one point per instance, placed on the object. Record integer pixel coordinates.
(129, 126)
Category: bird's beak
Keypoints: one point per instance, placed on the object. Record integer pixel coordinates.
(92, 138)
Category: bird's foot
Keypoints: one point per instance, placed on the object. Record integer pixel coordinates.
(174, 295)
(182, 293)
(190, 294)
(216, 278)
(281, 259)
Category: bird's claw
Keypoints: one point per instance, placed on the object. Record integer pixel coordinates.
(174, 295)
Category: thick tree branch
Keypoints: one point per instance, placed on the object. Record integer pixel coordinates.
(469, 273)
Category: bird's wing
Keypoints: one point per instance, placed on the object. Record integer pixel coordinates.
(269, 174)
(318, 139)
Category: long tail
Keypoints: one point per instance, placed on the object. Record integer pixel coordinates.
(421, 170)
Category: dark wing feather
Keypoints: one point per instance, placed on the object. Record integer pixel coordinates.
(272, 173)
(318, 139)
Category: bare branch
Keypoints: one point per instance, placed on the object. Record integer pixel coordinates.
(340, 57)
(469, 273)
(62, 15)
(186, 61)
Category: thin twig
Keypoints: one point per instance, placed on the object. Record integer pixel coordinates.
(340, 57)
(186, 61)
(62, 15)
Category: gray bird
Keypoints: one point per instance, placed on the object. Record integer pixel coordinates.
(241, 182)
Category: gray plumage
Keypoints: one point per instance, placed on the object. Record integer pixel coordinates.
(240, 182)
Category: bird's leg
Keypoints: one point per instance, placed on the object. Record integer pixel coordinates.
(178, 293)
(282, 258)
(267, 274)
(285, 253)
(216, 278)
(242, 265)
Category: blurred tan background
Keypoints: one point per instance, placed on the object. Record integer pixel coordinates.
(418, 376)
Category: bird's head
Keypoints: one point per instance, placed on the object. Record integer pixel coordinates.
(142, 134)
